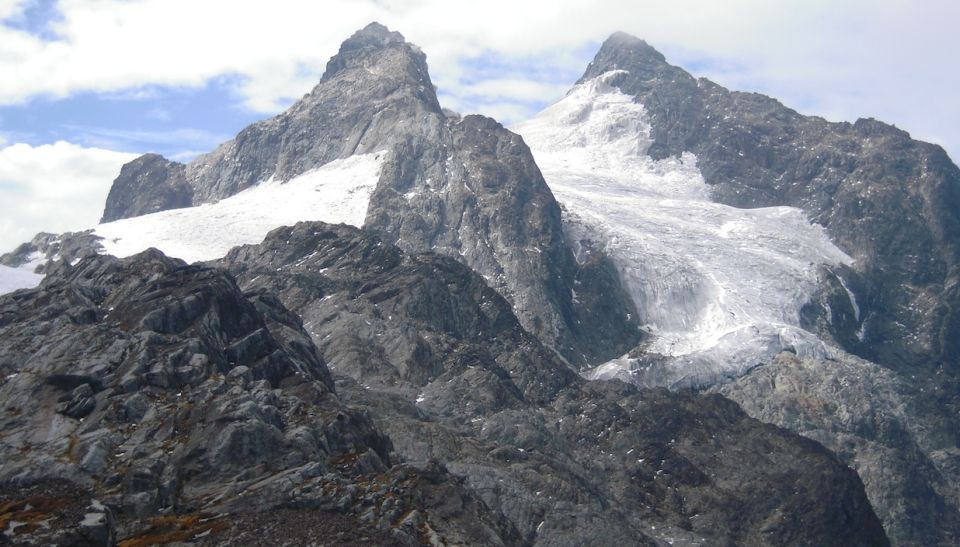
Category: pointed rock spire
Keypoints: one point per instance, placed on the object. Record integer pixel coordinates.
(622, 51)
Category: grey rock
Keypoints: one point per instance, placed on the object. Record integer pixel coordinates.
(475, 193)
(445, 368)
(48, 249)
(97, 525)
(146, 185)
(80, 403)
(891, 431)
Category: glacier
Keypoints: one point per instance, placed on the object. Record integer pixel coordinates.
(337, 192)
(719, 289)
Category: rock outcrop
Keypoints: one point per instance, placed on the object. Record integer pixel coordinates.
(184, 404)
(146, 185)
(445, 368)
(476, 194)
(896, 434)
(45, 249)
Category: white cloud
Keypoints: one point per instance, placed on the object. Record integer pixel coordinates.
(126, 139)
(889, 58)
(55, 188)
(10, 9)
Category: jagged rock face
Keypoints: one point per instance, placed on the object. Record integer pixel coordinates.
(443, 365)
(476, 194)
(374, 91)
(890, 202)
(45, 249)
(146, 185)
(138, 349)
(435, 317)
(901, 438)
(163, 387)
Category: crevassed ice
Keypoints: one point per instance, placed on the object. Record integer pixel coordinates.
(719, 288)
(338, 192)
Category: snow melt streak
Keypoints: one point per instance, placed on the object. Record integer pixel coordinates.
(720, 288)
(336, 192)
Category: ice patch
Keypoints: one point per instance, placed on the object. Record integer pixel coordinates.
(337, 192)
(853, 299)
(719, 288)
(12, 279)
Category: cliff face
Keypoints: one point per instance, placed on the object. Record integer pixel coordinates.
(477, 195)
(146, 185)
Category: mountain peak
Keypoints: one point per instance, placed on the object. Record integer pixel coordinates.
(622, 51)
(372, 35)
(631, 45)
(373, 44)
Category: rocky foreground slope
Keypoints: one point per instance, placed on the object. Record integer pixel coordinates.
(189, 410)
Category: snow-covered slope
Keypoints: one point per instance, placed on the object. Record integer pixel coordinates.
(720, 288)
(12, 279)
(336, 192)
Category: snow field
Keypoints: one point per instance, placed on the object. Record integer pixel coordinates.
(719, 288)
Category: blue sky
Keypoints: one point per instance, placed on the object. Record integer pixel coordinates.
(87, 84)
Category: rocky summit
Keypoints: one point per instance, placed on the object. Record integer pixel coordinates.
(658, 313)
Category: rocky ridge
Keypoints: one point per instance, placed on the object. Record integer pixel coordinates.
(893, 432)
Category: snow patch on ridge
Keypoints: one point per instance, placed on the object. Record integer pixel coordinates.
(337, 192)
(719, 288)
(12, 279)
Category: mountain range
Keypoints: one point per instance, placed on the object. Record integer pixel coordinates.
(658, 312)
